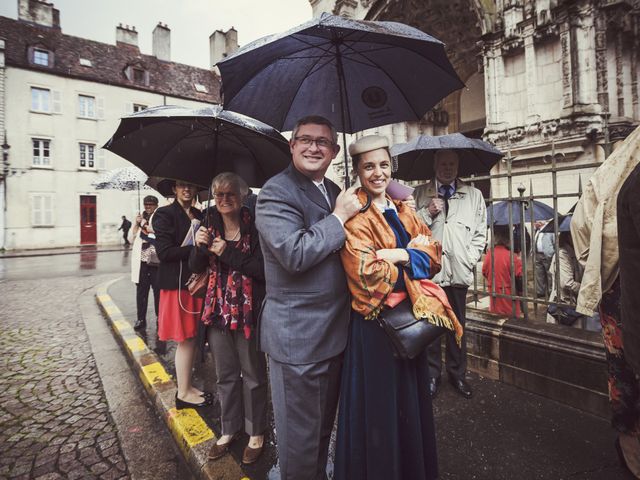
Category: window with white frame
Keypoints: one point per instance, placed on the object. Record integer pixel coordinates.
(41, 152)
(40, 99)
(86, 106)
(138, 107)
(42, 210)
(87, 155)
(41, 57)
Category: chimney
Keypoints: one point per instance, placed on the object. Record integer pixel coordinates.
(126, 34)
(161, 48)
(39, 12)
(222, 44)
(231, 41)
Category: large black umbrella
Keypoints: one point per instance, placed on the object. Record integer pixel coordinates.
(194, 145)
(415, 158)
(358, 74)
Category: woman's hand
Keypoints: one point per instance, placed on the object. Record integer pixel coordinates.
(420, 240)
(393, 255)
(410, 202)
(217, 246)
(202, 237)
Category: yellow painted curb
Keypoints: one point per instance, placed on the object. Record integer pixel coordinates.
(155, 373)
(188, 425)
(122, 325)
(111, 309)
(136, 345)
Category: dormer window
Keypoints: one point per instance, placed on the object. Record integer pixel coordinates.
(200, 88)
(137, 74)
(40, 56)
(85, 62)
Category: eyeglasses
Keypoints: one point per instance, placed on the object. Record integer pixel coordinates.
(320, 142)
(222, 195)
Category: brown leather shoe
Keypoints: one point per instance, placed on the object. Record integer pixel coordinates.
(218, 451)
(250, 455)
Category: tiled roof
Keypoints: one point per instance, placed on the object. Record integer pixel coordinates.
(109, 62)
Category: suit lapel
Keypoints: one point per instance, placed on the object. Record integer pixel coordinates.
(333, 190)
(310, 189)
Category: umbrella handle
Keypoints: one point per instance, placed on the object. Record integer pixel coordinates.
(367, 204)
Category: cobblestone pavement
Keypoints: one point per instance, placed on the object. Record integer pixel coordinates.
(54, 418)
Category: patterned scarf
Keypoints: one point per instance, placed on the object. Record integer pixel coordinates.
(371, 281)
(228, 302)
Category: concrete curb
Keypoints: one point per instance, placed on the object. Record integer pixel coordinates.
(191, 433)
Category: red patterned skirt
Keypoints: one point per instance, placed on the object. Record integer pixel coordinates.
(178, 316)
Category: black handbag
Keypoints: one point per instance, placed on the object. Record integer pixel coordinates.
(408, 335)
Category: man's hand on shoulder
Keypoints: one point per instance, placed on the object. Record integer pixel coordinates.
(347, 204)
(436, 205)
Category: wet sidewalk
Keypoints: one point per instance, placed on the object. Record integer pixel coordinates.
(45, 252)
(502, 433)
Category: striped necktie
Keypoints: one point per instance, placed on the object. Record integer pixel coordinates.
(323, 189)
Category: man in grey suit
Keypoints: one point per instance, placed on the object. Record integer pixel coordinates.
(303, 326)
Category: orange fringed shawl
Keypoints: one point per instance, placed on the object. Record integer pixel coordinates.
(371, 280)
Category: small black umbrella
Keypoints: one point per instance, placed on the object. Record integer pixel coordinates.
(358, 74)
(565, 224)
(498, 213)
(415, 159)
(194, 145)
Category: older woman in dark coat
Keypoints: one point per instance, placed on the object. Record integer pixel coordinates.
(229, 246)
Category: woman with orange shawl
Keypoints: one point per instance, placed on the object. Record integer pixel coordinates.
(385, 421)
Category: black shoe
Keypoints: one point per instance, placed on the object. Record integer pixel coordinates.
(461, 386)
(180, 404)
(433, 386)
(140, 325)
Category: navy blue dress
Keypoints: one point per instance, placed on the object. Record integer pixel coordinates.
(385, 419)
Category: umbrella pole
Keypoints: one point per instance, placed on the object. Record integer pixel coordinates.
(343, 100)
(216, 132)
(139, 207)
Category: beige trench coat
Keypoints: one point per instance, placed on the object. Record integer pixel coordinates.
(594, 227)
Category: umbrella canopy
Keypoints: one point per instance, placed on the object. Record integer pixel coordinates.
(565, 224)
(125, 178)
(415, 159)
(358, 74)
(194, 145)
(164, 186)
(498, 213)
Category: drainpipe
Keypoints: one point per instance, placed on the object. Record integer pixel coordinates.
(4, 172)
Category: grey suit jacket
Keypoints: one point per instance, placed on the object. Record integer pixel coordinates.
(306, 311)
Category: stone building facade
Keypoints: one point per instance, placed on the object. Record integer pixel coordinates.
(61, 98)
(543, 77)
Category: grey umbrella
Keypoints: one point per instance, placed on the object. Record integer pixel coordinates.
(194, 145)
(415, 159)
(124, 178)
(358, 74)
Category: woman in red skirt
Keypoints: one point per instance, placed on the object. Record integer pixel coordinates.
(179, 311)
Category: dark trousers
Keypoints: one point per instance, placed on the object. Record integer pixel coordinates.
(456, 357)
(148, 279)
(125, 236)
(305, 398)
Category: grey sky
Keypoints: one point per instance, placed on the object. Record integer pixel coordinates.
(191, 21)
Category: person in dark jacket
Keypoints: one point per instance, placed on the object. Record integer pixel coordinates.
(229, 245)
(179, 311)
(125, 226)
(628, 354)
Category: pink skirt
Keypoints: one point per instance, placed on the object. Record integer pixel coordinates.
(178, 318)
